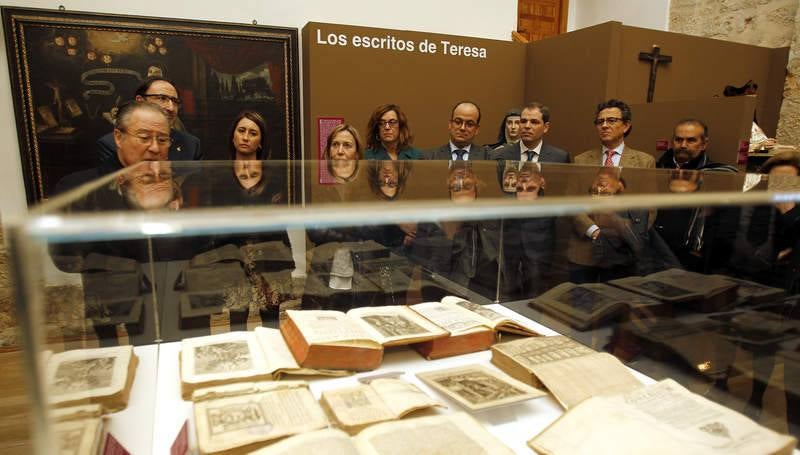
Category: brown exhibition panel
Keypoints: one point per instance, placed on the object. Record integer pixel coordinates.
(729, 122)
(343, 78)
(575, 71)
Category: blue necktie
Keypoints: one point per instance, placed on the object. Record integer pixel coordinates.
(460, 154)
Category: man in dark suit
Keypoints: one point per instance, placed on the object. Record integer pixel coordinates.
(184, 146)
(534, 124)
(465, 121)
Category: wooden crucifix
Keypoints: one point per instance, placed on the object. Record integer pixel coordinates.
(655, 57)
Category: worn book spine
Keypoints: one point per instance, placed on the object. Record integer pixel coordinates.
(329, 357)
(456, 345)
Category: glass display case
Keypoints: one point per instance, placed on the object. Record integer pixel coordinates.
(682, 274)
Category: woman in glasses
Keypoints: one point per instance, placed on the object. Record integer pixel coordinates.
(389, 136)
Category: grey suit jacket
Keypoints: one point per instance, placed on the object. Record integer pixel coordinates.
(476, 152)
(548, 154)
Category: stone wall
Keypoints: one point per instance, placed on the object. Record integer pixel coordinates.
(769, 23)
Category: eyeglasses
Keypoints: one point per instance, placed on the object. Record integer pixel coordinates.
(390, 123)
(610, 120)
(146, 139)
(163, 99)
(459, 122)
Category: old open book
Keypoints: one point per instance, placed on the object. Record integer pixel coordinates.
(449, 434)
(478, 387)
(81, 376)
(353, 408)
(705, 293)
(238, 418)
(662, 418)
(472, 327)
(78, 430)
(355, 340)
(238, 356)
(569, 370)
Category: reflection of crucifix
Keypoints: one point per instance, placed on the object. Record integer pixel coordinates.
(654, 58)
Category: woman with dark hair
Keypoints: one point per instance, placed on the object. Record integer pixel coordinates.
(387, 179)
(248, 137)
(509, 130)
(343, 152)
(389, 135)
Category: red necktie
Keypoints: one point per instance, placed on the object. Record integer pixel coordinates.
(609, 158)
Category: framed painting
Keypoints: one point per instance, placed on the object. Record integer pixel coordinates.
(71, 70)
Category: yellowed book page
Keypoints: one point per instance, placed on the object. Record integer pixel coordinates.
(221, 357)
(356, 406)
(529, 352)
(576, 379)
(392, 324)
(449, 434)
(80, 374)
(331, 327)
(402, 397)
(479, 387)
(452, 318)
(272, 410)
(328, 441)
(662, 418)
(78, 437)
(277, 355)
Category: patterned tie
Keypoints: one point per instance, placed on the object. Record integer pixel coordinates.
(530, 154)
(610, 158)
(460, 154)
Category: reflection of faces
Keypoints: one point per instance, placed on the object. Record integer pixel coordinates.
(606, 185)
(151, 186)
(462, 186)
(512, 128)
(247, 172)
(342, 152)
(164, 94)
(684, 181)
(145, 138)
(532, 127)
(688, 142)
(529, 185)
(610, 127)
(389, 127)
(388, 178)
(246, 137)
(464, 125)
(510, 180)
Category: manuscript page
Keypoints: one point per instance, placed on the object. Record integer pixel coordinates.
(320, 441)
(576, 379)
(453, 318)
(396, 324)
(332, 328)
(662, 418)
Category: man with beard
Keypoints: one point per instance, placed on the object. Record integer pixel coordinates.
(688, 151)
(689, 232)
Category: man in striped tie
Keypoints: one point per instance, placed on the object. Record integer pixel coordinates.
(613, 124)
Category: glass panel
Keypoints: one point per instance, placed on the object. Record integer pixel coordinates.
(683, 274)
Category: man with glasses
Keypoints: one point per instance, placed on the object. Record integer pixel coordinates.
(141, 133)
(183, 147)
(534, 124)
(613, 124)
(464, 125)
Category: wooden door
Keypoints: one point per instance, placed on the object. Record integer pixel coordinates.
(539, 19)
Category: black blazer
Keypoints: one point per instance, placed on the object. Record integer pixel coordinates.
(476, 152)
(548, 154)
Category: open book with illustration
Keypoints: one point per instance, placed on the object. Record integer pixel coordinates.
(449, 434)
(238, 356)
(82, 376)
(354, 408)
(661, 418)
(238, 418)
(570, 371)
